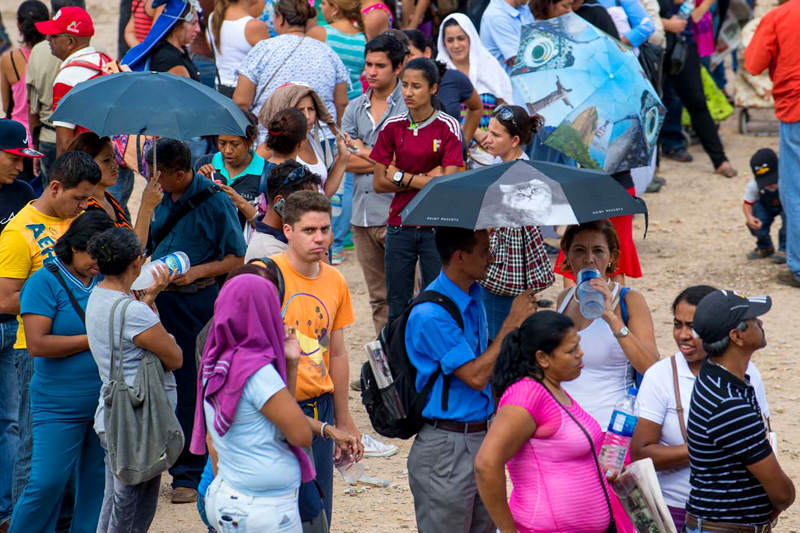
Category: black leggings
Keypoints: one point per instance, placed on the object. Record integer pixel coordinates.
(689, 86)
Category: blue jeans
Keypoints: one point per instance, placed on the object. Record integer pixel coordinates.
(767, 214)
(404, 247)
(789, 187)
(9, 413)
(319, 408)
(123, 188)
(497, 309)
(22, 465)
(671, 136)
(342, 208)
(64, 441)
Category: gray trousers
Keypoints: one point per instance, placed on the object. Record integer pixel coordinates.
(127, 508)
(442, 480)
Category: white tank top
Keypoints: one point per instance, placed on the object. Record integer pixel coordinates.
(604, 379)
(230, 53)
(319, 167)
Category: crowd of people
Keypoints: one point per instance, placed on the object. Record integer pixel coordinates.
(243, 352)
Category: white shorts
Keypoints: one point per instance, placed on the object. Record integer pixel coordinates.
(229, 510)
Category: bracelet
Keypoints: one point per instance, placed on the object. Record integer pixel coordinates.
(322, 430)
(409, 180)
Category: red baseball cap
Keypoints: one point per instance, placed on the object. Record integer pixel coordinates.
(14, 139)
(71, 20)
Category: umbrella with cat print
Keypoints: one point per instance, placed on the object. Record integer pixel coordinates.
(520, 193)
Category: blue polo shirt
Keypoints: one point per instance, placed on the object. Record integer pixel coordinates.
(433, 338)
(256, 167)
(208, 233)
(501, 26)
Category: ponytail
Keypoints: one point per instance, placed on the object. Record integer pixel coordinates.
(220, 7)
(543, 331)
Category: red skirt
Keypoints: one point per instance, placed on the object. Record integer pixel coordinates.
(628, 256)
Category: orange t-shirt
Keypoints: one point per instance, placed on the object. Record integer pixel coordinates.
(315, 307)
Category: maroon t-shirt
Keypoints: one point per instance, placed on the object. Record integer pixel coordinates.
(435, 142)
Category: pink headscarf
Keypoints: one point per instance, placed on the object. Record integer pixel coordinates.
(246, 334)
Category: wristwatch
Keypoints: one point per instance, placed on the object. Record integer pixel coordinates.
(624, 332)
(397, 178)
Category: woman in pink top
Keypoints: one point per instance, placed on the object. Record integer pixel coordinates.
(557, 485)
(14, 62)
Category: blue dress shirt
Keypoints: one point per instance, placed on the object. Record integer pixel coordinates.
(501, 26)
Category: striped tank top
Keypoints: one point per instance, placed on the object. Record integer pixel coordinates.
(141, 20)
(350, 49)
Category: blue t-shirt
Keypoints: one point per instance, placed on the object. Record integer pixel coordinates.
(42, 294)
(454, 89)
(253, 455)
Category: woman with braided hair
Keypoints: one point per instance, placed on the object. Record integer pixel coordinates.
(543, 435)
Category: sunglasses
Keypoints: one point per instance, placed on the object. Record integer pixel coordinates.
(505, 114)
(296, 174)
(190, 17)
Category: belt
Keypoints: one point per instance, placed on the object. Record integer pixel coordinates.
(458, 427)
(193, 287)
(723, 527)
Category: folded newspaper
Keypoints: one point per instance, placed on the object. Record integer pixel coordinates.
(638, 490)
(383, 378)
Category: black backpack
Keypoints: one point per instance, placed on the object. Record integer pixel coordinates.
(386, 407)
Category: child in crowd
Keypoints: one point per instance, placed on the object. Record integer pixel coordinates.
(762, 205)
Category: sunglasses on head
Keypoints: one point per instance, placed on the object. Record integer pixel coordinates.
(505, 114)
(296, 174)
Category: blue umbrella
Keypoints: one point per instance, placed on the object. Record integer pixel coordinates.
(592, 90)
(150, 103)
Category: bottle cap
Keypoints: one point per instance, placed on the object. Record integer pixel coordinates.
(586, 274)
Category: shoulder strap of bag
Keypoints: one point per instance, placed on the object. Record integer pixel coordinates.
(566, 300)
(111, 374)
(190, 205)
(612, 524)
(264, 88)
(117, 370)
(53, 269)
(678, 406)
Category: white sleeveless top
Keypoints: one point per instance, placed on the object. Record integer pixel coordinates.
(233, 49)
(319, 167)
(604, 379)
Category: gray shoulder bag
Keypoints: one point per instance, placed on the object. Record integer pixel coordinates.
(143, 436)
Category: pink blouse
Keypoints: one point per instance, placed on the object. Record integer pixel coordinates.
(556, 485)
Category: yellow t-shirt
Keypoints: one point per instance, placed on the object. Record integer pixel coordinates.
(25, 243)
(315, 307)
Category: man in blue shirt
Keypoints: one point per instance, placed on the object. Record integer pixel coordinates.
(210, 234)
(501, 26)
(440, 465)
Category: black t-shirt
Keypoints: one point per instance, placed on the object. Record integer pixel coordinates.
(165, 56)
(454, 89)
(13, 197)
(725, 435)
(596, 15)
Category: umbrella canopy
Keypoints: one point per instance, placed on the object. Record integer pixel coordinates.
(597, 102)
(150, 103)
(520, 193)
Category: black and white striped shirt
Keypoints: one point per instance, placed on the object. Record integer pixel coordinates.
(726, 433)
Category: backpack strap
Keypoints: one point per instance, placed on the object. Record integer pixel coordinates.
(53, 269)
(450, 306)
(190, 205)
(623, 306)
(272, 266)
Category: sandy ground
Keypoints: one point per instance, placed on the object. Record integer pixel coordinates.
(696, 235)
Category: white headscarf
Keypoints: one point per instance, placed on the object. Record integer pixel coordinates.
(485, 73)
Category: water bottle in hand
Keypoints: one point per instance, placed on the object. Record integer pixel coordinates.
(177, 262)
(618, 437)
(592, 302)
(686, 9)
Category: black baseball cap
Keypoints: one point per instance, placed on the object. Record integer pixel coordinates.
(14, 139)
(764, 165)
(721, 311)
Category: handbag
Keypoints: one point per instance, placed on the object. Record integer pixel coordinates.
(143, 436)
(520, 262)
(612, 525)
(651, 58)
(677, 50)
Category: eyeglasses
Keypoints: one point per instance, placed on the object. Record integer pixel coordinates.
(505, 114)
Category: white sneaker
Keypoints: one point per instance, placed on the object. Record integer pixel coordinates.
(375, 448)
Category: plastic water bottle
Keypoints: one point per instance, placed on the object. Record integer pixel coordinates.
(592, 301)
(619, 434)
(175, 262)
(686, 9)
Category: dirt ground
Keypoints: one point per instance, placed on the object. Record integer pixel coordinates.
(696, 235)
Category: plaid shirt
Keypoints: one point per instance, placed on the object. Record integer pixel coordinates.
(520, 262)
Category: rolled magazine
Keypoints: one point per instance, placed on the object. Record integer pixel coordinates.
(640, 494)
(383, 378)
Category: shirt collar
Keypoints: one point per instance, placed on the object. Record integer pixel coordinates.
(195, 186)
(459, 297)
(255, 167)
(393, 98)
(269, 230)
(719, 372)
